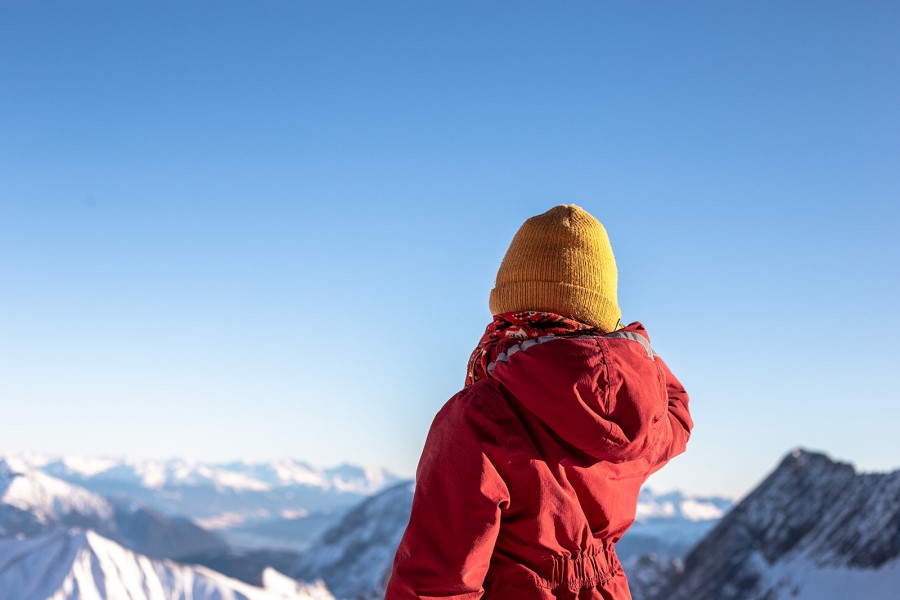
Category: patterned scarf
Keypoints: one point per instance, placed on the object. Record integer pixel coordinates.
(508, 329)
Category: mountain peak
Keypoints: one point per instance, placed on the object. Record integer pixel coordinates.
(811, 517)
(800, 458)
(48, 499)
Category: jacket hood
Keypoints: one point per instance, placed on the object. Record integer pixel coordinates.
(603, 394)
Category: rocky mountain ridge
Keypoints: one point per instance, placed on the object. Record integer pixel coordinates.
(810, 525)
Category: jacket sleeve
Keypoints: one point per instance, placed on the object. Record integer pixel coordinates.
(677, 424)
(446, 549)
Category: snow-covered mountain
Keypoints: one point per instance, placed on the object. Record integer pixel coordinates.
(80, 565)
(32, 502)
(354, 557)
(814, 529)
(253, 504)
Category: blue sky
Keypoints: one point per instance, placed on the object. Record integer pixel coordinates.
(241, 229)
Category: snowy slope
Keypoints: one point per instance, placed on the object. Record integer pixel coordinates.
(800, 578)
(78, 565)
(355, 556)
(814, 528)
(39, 501)
(32, 502)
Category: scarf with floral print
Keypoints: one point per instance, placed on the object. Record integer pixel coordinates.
(508, 329)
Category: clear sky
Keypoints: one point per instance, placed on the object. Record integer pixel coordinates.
(266, 229)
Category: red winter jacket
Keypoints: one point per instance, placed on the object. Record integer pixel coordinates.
(529, 477)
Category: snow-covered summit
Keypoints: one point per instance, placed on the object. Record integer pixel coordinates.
(75, 565)
(812, 524)
(47, 499)
(33, 503)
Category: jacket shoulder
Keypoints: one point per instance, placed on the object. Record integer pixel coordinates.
(479, 413)
(481, 406)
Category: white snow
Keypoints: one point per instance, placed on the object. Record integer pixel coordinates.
(695, 510)
(78, 565)
(290, 472)
(87, 466)
(285, 587)
(659, 510)
(800, 579)
(47, 498)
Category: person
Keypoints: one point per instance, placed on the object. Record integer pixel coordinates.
(531, 473)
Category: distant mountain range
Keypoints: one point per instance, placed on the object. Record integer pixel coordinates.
(348, 531)
(280, 504)
(64, 541)
(236, 476)
(813, 529)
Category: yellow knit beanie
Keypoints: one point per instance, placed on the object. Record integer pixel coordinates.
(560, 262)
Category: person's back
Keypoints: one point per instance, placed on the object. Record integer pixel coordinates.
(531, 473)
